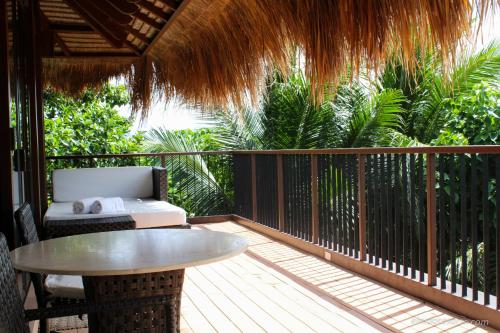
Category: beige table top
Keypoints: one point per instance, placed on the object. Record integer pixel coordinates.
(127, 252)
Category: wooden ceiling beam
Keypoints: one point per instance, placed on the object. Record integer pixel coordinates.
(172, 4)
(113, 13)
(157, 11)
(46, 26)
(65, 27)
(133, 47)
(62, 45)
(101, 23)
(124, 6)
(148, 20)
(137, 34)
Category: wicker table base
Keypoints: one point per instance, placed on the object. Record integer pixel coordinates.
(141, 318)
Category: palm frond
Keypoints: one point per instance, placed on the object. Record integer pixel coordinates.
(240, 130)
(193, 185)
(372, 117)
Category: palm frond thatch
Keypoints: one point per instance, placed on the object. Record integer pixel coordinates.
(216, 52)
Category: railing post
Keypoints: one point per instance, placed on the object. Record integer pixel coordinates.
(314, 199)
(281, 193)
(254, 187)
(163, 161)
(431, 220)
(362, 206)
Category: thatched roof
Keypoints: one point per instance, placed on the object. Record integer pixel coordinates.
(214, 51)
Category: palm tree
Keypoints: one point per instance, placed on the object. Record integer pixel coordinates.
(353, 116)
(430, 88)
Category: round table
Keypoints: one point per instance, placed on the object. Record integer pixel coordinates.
(127, 265)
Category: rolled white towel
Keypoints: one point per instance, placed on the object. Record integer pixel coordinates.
(107, 206)
(83, 206)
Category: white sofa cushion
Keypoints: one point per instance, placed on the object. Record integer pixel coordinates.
(147, 213)
(127, 182)
(67, 286)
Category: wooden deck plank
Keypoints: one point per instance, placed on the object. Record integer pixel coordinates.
(276, 288)
(207, 307)
(227, 305)
(246, 304)
(391, 308)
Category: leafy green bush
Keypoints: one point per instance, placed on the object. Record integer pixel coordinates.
(473, 118)
(90, 124)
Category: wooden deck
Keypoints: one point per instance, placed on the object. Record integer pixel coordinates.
(276, 288)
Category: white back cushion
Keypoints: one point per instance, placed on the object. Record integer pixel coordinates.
(125, 182)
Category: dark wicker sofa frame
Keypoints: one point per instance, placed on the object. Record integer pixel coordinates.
(61, 228)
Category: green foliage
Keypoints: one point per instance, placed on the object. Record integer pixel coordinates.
(291, 120)
(88, 125)
(473, 118)
(480, 268)
(200, 184)
(288, 119)
(432, 93)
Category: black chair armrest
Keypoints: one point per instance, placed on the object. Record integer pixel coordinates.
(160, 184)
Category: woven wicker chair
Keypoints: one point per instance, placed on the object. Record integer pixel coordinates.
(26, 223)
(13, 317)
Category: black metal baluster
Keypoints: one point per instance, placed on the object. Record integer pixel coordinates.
(383, 214)
(288, 194)
(412, 212)
(329, 202)
(453, 223)
(442, 223)
(341, 202)
(390, 225)
(369, 216)
(497, 249)
(377, 204)
(338, 185)
(397, 214)
(404, 208)
(345, 199)
(422, 240)
(354, 173)
(333, 184)
(463, 224)
(474, 225)
(350, 204)
(486, 229)
(308, 202)
(321, 231)
(293, 189)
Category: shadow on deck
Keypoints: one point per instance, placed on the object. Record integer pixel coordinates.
(275, 288)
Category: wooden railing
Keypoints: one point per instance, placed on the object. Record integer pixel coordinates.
(427, 214)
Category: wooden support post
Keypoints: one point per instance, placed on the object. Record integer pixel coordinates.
(42, 163)
(254, 187)
(163, 161)
(314, 199)
(6, 203)
(431, 220)
(362, 206)
(34, 90)
(281, 193)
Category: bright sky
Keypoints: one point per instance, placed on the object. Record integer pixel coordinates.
(175, 115)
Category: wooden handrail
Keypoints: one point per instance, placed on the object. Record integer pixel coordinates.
(486, 149)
